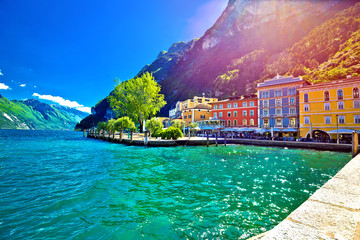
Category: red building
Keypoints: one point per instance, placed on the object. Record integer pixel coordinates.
(237, 112)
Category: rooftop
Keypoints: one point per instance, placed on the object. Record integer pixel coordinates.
(200, 106)
(277, 80)
(342, 82)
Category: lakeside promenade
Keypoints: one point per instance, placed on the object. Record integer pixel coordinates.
(139, 140)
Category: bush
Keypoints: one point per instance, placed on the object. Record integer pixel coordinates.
(172, 133)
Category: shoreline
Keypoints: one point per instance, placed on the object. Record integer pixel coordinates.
(212, 141)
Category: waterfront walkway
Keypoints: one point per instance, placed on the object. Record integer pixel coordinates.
(332, 212)
(138, 140)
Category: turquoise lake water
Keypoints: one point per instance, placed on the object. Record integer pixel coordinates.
(59, 185)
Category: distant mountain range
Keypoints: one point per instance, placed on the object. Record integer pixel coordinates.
(35, 115)
(254, 40)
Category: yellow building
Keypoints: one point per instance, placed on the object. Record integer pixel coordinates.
(330, 110)
(176, 112)
(200, 112)
(195, 101)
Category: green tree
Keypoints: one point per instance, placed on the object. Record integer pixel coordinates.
(180, 124)
(172, 133)
(154, 126)
(192, 126)
(124, 123)
(101, 126)
(111, 127)
(138, 98)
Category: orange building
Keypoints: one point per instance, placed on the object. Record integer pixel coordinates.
(199, 112)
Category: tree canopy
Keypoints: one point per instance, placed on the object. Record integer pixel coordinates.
(138, 98)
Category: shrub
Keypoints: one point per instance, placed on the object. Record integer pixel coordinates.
(172, 133)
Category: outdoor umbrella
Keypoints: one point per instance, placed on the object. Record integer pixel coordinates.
(343, 131)
(290, 130)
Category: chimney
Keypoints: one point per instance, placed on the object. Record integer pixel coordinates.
(348, 76)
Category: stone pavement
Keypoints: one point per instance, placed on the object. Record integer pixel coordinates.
(332, 212)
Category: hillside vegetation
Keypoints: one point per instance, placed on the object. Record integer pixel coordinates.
(32, 114)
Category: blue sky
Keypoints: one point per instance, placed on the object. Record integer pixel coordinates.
(70, 52)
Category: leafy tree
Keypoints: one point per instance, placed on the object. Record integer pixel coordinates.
(111, 127)
(192, 126)
(124, 123)
(138, 98)
(154, 126)
(172, 133)
(101, 126)
(180, 124)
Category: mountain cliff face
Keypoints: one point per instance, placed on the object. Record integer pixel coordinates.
(245, 30)
(35, 115)
(166, 60)
(253, 40)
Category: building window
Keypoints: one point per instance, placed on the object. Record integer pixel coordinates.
(235, 122)
(244, 104)
(251, 112)
(263, 95)
(341, 119)
(252, 103)
(215, 115)
(229, 105)
(252, 123)
(306, 120)
(228, 122)
(278, 102)
(357, 119)
(340, 105)
(327, 119)
(289, 91)
(356, 92)
(340, 94)
(235, 113)
(202, 116)
(294, 91)
(278, 112)
(326, 96)
(229, 114)
(292, 101)
(306, 97)
(220, 114)
(267, 94)
(266, 112)
(266, 122)
(277, 93)
(326, 106)
(220, 106)
(184, 117)
(292, 111)
(306, 107)
(215, 106)
(278, 122)
(244, 122)
(235, 105)
(357, 104)
(292, 122)
(189, 116)
(244, 113)
(266, 103)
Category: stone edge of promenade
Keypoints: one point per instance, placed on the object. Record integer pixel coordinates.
(332, 212)
(212, 141)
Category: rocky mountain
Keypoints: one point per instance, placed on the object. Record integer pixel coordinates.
(35, 115)
(254, 40)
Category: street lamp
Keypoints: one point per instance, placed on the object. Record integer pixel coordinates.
(337, 129)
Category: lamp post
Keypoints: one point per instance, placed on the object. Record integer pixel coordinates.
(337, 129)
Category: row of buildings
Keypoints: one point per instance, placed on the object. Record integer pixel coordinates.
(286, 104)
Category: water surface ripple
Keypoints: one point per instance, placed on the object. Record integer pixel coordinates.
(58, 185)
